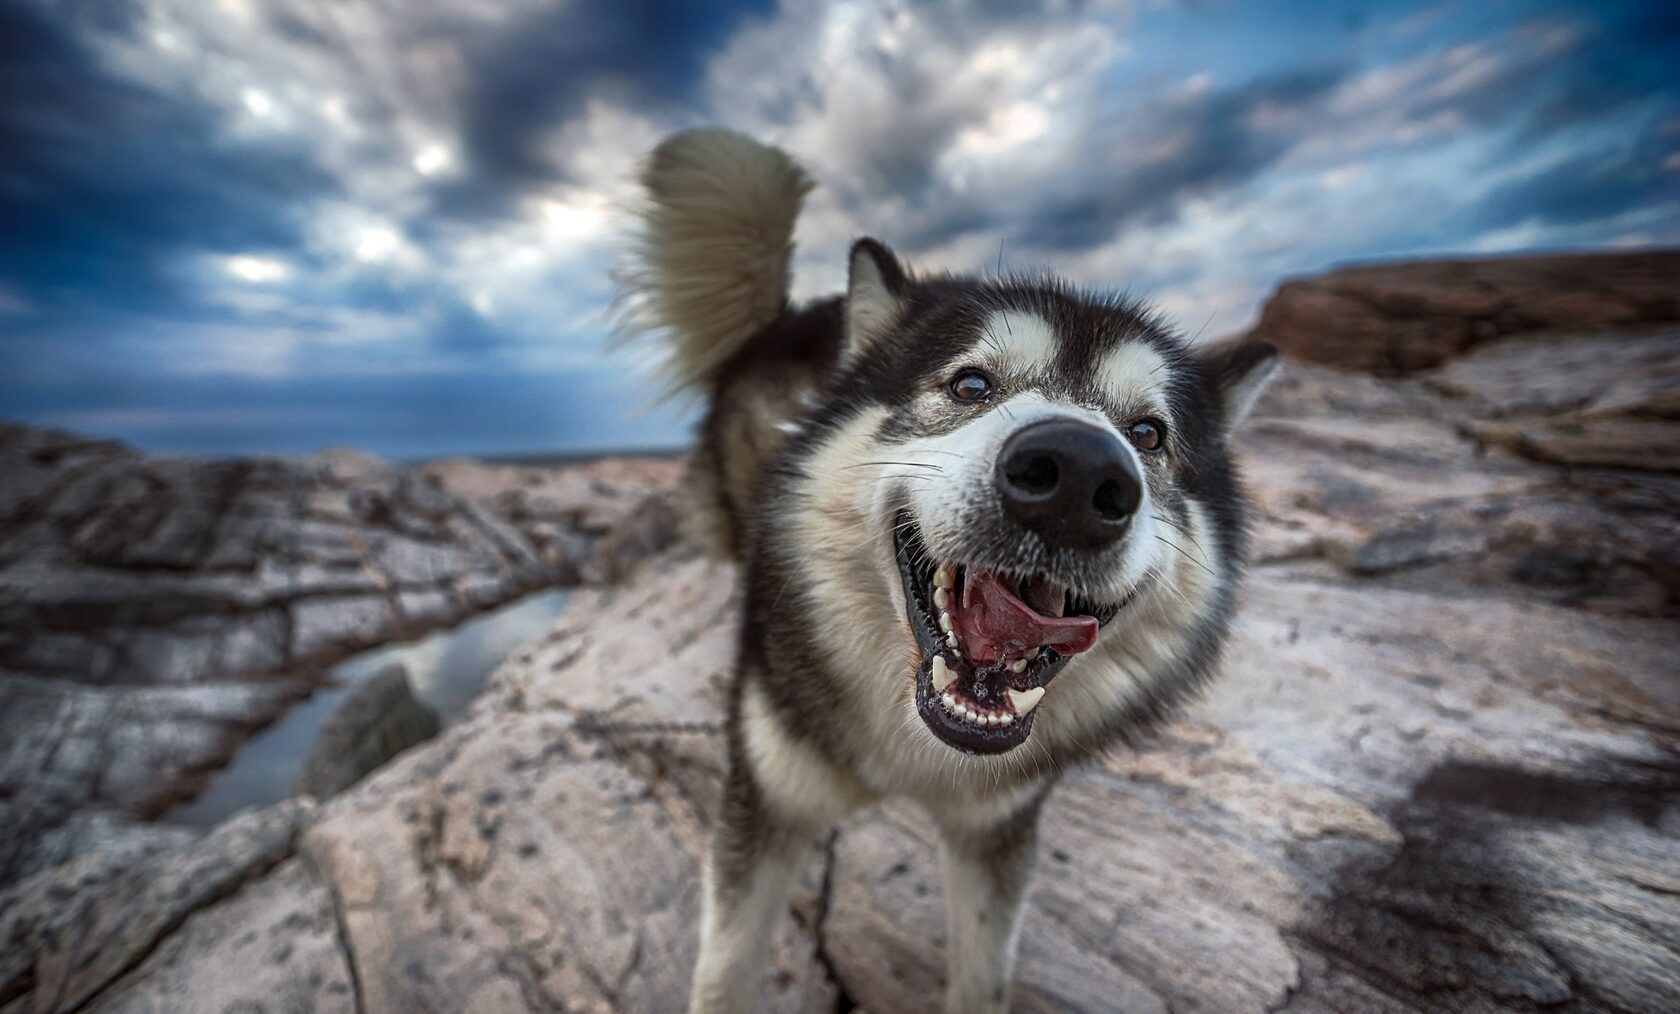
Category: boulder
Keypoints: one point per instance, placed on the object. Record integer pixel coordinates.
(377, 719)
(1395, 319)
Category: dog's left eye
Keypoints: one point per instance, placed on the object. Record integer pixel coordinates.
(971, 385)
(1147, 434)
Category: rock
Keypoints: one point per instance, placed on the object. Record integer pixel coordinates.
(280, 932)
(156, 611)
(1536, 466)
(1394, 801)
(379, 718)
(88, 832)
(1397, 319)
(564, 846)
(135, 750)
(71, 932)
(564, 511)
(1438, 774)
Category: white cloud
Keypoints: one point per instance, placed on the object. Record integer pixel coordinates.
(258, 270)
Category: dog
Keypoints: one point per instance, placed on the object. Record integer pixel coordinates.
(987, 528)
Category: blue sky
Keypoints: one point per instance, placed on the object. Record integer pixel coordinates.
(235, 226)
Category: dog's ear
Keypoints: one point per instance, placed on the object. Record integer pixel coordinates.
(1240, 371)
(875, 292)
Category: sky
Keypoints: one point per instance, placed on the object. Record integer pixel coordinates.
(270, 226)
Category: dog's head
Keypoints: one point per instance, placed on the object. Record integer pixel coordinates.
(1037, 480)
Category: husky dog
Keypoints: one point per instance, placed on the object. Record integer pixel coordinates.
(989, 526)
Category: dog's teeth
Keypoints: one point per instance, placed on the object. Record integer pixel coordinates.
(942, 598)
(1006, 719)
(1059, 606)
(945, 622)
(1032, 653)
(1019, 665)
(1025, 700)
(942, 674)
(945, 576)
(950, 701)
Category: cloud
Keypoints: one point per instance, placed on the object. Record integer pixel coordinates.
(105, 181)
(1603, 184)
(203, 196)
(1148, 166)
(533, 74)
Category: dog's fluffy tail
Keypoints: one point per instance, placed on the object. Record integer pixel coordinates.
(710, 264)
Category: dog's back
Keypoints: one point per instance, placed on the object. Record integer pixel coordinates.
(710, 275)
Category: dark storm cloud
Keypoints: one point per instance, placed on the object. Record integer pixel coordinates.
(1619, 70)
(1590, 186)
(1213, 141)
(104, 184)
(1625, 61)
(1113, 178)
(535, 73)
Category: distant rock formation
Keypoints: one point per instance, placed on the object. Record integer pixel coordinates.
(1440, 772)
(1397, 319)
(378, 718)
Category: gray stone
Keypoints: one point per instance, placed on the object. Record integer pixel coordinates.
(272, 946)
(377, 719)
(69, 933)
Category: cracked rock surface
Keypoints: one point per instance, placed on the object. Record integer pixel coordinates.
(1440, 773)
(155, 611)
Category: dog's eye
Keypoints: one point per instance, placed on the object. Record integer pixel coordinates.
(1147, 434)
(971, 385)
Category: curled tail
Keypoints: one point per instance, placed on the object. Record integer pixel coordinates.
(710, 264)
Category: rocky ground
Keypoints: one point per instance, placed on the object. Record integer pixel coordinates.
(1441, 772)
(155, 611)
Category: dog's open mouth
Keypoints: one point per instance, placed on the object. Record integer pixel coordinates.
(990, 644)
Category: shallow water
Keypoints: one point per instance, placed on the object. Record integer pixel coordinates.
(447, 668)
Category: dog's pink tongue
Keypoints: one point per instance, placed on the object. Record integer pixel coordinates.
(992, 622)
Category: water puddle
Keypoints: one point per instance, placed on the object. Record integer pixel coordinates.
(447, 669)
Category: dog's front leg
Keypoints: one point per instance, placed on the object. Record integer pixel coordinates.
(749, 867)
(987, 869)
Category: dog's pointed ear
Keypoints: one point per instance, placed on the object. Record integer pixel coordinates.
(875, 289)
(1240, 371)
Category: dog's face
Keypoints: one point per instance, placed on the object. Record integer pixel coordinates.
(1039, 484)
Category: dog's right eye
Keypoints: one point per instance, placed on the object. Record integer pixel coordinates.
(971, 385)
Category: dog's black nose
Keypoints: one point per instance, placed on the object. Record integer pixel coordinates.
(1073, 483)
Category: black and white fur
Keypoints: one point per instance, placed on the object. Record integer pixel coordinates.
(831, 433)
